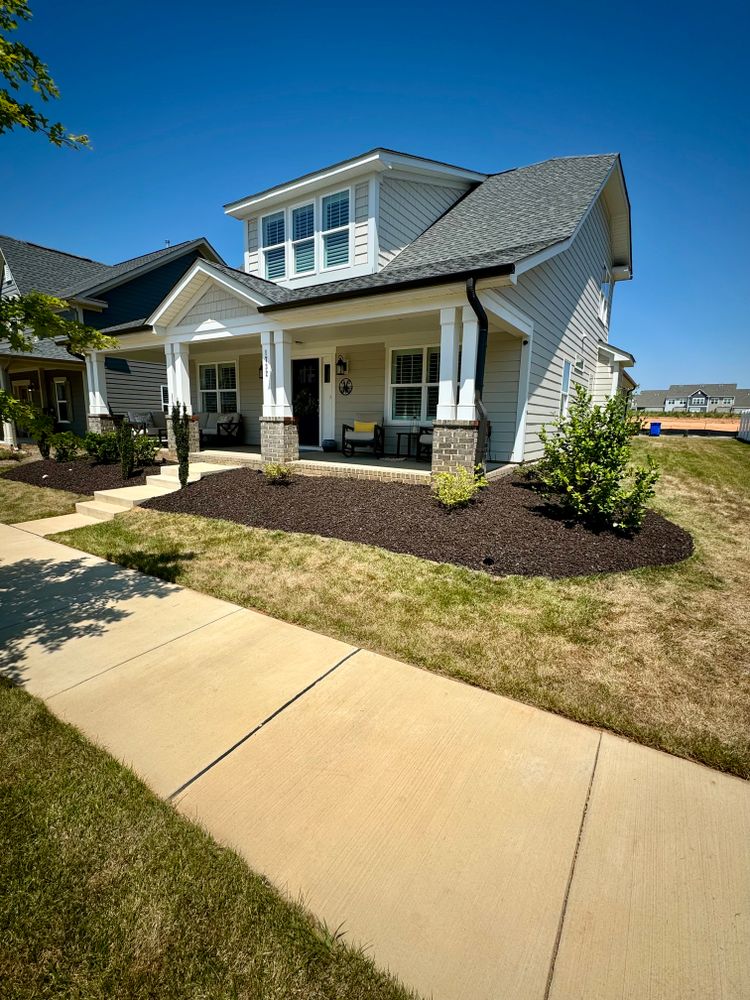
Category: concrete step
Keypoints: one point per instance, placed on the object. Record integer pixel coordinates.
(126, 496)
(166, 484)
(98, 510)
(195, 471)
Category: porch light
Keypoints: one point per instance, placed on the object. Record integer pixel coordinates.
(342, 365)
(260, 371)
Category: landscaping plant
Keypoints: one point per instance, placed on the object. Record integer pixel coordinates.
(66, 446)
(11, 454)
(126, 448)
(275, 472)
(103, 449)
(145, 449)
(181, 430)
(457, 489)
(586, 464)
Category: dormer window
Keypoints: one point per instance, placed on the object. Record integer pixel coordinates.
(335, 229)
(274, 245)
(303, 238)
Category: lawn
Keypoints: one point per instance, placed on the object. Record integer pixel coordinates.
(658, 655)
(106, 891)
(20, 502)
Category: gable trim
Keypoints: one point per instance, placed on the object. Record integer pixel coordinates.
(203, 268)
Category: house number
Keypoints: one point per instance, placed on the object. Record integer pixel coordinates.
(345, 386)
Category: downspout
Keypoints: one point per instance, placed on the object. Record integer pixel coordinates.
(482, 324)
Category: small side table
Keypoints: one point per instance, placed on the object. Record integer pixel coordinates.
(410, 436)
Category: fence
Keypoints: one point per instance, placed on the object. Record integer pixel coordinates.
(744, 431)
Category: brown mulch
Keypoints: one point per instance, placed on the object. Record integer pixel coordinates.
(78, 476)
(508, 530)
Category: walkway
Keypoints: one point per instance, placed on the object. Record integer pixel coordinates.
(478, 847)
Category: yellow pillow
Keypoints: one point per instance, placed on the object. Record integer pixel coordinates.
(362, 425)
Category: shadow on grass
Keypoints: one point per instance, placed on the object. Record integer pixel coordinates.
(165, 565)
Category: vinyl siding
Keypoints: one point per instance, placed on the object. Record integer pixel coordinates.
(561, 296)
(251, 256)
(250, 393)
(216, 304)
(500, 395)
(367, 368)
(134, 385)
(407, 208)
(601, 388)
(361, 223)
(77, 399)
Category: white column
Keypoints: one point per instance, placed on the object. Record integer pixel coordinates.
(524, 369)
(168, 360)
(466, 409)
(96, 377)
(282, 341)
(446, 407)
(178, 375)
(269, 367)
(9, 428)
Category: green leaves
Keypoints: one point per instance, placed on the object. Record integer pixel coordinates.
(26, 318)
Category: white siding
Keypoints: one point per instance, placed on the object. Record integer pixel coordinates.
(252, 264)
(407, 208)
(601, 388)
(361, 223)
(500, 394)
(367, 372)
(216, 304)
(561, 296)
(250, 389)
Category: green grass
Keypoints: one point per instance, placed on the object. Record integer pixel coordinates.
(657, 655)
(21, 502)
(106, 892)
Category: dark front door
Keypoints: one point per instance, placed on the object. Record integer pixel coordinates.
(306, 399)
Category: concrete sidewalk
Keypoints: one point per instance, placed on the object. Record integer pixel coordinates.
(478, 847)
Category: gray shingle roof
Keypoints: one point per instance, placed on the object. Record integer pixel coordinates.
(710, 389)
(742, 397)
(41, 269)
(44, 349)
(653, 399)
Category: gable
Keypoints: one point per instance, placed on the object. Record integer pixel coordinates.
(216, 304)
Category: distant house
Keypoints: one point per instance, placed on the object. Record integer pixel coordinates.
(709, 397)
(114, 298)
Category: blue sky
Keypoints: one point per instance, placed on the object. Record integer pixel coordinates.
(190, 105)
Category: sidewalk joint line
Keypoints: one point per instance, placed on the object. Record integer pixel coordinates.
(564, 910)
(243, 739)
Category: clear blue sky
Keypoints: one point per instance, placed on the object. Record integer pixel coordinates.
(190, 105)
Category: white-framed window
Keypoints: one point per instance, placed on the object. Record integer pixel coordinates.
(335, 229)
(273, 243)
(217, 387)
(164, 390)
(61, 388)
(414, 383)
(303, 238)
(606, 289)
(565, 388)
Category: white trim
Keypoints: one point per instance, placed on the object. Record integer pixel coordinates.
(373, 218)
(199, 363)
(522, 401)
(62, 380)
(449, 337)
(466, 408)
(268, 361)
(398, 345)
(282, 343)
(204, 267)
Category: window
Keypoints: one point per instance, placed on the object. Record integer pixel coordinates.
(565, 389)
(335, 229)
(605, 296)
(62, 400)
(218, 387)
(415, 376)
(164, 398)
(274, 245)
(303, 238)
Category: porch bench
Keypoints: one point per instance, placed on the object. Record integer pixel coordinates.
(220, 428)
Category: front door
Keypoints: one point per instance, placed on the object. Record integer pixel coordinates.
(306, 399)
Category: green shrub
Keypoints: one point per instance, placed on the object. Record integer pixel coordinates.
(126, 448)
(145, 449)
(102, 448)
(457, 489)
(11, 454)
(275, 472)
(586, 464)
(40, 426)
(181, 430)
(66, 446)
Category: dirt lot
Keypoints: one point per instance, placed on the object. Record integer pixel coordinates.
(728, 424)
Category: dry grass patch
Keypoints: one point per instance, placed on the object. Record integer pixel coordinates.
(659, 655)
(21, 502)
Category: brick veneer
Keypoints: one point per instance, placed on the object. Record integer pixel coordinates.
(457, 444)
(100, 423)
(194, 437)
(279, 441)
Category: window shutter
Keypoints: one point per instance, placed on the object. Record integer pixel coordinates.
(406, 367)
(275, 263)
(336, 210)
(304, 256)
(336, 248)
(303, 222)
(273, 229)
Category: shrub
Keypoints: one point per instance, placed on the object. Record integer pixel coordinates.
(11, 454)
(126, 448)
(586, 464)
(145, 449)
(181, 429)
(275, 472)
(40, 426)
(457, 489)
(66, 446)
(102, 448)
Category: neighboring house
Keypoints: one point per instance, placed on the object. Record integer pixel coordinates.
(709, 397)
(110, 297)
(409, 291)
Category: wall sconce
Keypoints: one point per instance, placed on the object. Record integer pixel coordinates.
(342, 365)
(260, 371)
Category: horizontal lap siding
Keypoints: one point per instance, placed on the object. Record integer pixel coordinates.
(251, 397)
(407, 209)
(500, 394)
(252, 265)
(361, 223)
(134, 385)
(602, 386)
(561, 296)
(367, 372)
(218, 305)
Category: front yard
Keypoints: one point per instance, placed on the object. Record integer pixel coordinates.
(659, 655)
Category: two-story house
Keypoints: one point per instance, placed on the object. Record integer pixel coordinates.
(406, 291)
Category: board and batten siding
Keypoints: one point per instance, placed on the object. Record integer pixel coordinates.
(134, 385)
(407, 209)
(561, 297)
(216, 304)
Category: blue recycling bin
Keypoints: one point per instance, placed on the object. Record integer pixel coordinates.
(654, 428)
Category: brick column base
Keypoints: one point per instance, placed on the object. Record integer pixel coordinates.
(195, 437)
(100, 423)
(279, 441)
(457, 444)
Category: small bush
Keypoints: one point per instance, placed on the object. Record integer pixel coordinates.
(275, 472)
(102, 448)
(145, 449)
(181, 430)
(126, 447)
(457, 489)
(66, 445)
(11, 454)
(586, 464)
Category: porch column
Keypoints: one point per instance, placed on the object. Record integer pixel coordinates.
(178, 375)
(9, 428)
(267, 361)
(522, 405)
(97, 382)
(466, 409)
(282, 341)
(446, 407)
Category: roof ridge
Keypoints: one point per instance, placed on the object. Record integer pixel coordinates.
(553, 159)
(150, 253)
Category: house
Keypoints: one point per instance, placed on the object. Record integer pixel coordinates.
(408, 291)
(110, 297)
(709, 397)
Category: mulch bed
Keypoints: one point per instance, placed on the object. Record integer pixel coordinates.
(509, 530)
(78, 476)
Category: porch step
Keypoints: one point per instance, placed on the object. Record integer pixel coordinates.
(130, 496)
(98, 510)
